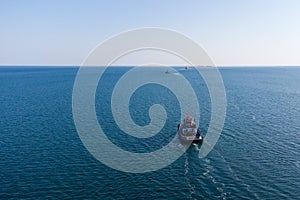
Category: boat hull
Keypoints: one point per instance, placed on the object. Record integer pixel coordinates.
(189, 141)
(188, 132)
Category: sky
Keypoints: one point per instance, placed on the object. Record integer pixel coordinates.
(232, 32)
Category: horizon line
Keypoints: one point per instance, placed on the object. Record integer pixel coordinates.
(70, 65)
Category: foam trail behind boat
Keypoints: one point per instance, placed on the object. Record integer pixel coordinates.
(191, 187)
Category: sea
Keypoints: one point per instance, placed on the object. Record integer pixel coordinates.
(257, 155)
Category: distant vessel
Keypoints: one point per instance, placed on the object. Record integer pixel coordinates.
(168, 72)
(188, 132)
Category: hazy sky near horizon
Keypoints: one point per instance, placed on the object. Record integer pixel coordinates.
(233, 32)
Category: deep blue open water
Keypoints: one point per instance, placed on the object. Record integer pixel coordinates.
(256, 157)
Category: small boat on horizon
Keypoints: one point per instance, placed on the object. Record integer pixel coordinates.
(188, 132)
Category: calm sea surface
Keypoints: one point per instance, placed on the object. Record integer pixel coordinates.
(256, 157)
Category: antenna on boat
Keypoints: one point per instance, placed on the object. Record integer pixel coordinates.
(189, 113)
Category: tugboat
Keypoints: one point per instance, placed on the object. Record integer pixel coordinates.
(188, 132)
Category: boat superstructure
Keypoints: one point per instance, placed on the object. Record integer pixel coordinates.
(188, 132)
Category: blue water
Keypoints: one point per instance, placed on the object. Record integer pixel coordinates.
(256, 157)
